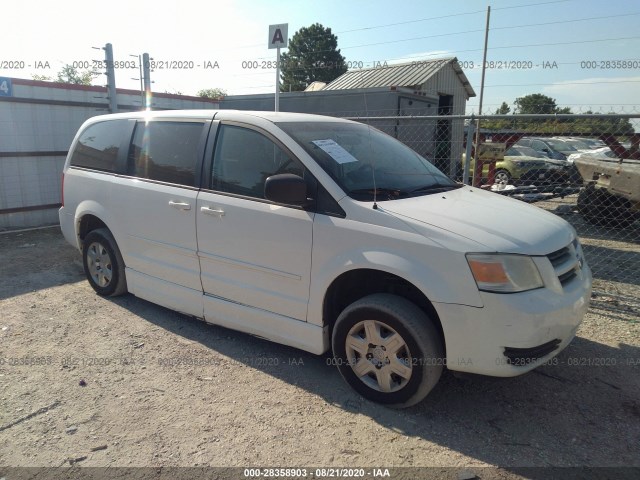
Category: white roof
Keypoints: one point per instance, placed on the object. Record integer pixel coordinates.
(219, 115)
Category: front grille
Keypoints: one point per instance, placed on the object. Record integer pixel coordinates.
(524, 356)
(567, 262)
(568, 276)
(559, 256)
(534, 175)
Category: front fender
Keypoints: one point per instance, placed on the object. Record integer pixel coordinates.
(442, 275)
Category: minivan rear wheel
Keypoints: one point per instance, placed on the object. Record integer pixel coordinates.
(388, 350)
(103, 264)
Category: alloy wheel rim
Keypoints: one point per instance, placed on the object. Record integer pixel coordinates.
(379, 356)
(99, 264)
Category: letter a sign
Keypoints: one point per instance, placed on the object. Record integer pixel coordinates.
(278, 35)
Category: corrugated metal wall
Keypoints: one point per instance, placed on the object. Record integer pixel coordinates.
(37, 124)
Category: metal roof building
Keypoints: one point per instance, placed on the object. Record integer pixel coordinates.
(423, 75)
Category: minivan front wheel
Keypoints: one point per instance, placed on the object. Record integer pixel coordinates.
(388, 350)
(103, 264)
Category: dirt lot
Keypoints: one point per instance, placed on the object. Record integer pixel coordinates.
(122, 382)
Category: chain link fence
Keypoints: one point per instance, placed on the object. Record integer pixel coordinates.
(584, 168)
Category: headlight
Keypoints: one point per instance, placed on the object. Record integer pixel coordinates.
(504, 273)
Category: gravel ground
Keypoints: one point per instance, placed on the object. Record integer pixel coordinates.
(121, 382)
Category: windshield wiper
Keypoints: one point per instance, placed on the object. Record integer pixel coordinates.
(390, 193)
(435, 188)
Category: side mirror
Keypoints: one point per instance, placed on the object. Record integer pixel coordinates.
(286, 188)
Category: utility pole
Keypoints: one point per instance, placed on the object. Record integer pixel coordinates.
(111, 78)
(484, 65)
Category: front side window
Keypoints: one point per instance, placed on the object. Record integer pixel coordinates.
(98, 146)
(367, 163)
(166, 151)
(244, 159)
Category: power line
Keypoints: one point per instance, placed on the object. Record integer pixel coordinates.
(454, 53)
(566, 21)
(565, 43)
(494, 28)
(381, 26)
(531, 5)
(411, 21)
(387, 25)
(560, 84)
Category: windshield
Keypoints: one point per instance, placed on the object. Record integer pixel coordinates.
(519, 151)
(364, 161)
(560, 146)
(578, 144)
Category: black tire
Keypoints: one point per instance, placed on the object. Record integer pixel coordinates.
(600, 208)
(396, 321)
(103, 264)
(502, 176)
(574, 175)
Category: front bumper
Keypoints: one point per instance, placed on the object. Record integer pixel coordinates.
(514, 333)
(537, 176)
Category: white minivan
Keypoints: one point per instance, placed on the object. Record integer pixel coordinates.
(319, 233)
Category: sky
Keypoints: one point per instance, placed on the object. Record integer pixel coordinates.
(570, 50)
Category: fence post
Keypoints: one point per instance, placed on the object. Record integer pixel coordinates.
(467, 155)
(111, 79)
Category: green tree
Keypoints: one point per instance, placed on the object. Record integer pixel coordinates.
(313, 56)
(504, 109)
(535, 103)
(70, 74)
(43, 78)
(212, 93)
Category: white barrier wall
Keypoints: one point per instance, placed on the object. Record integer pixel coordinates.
(38, 121)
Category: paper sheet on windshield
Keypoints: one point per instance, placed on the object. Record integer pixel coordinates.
(335, 151)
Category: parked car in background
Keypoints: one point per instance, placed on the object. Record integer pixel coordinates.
(551, 147)
(599, 153)
(611, 195)
(522, 166)
(580, 144)
(593, 143)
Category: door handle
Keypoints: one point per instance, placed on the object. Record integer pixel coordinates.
(180, 205)
(212, 211)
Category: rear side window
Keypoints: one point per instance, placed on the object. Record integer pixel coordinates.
(98, 146)
(166, 151)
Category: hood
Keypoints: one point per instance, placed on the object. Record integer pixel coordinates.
(493, 221)
(528, 158)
